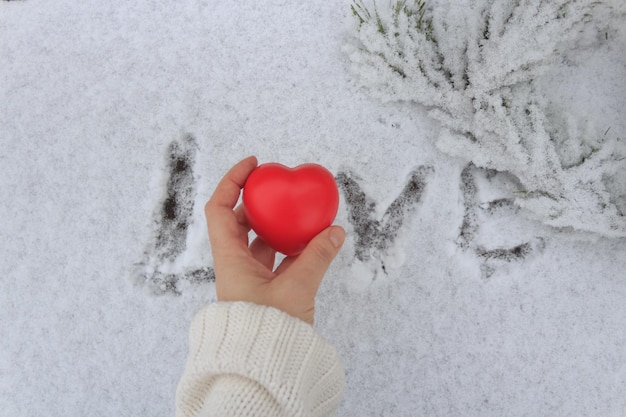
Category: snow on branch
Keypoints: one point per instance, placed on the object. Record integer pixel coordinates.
(473, 66)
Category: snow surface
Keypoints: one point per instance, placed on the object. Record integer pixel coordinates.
(92, 94)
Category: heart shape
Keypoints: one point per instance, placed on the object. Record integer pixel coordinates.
(287, 207)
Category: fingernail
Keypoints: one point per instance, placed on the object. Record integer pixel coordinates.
(337, 236)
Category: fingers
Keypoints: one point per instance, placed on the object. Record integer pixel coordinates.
(225, 227)
(263, 253)
(309, 267)
(241, 216)
(285, 264)
(227, 192)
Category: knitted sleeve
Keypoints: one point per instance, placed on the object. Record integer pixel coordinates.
(251, 360)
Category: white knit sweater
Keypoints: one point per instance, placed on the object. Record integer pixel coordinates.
(251, 360)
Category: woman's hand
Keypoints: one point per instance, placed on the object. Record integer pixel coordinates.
(244, 272)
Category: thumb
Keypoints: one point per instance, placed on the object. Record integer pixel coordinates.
(311, 265)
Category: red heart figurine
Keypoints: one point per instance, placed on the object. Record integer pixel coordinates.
(287, 207)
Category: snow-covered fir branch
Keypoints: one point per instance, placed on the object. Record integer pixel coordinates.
(473, 65)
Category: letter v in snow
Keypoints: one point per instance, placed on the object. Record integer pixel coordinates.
(374, 238)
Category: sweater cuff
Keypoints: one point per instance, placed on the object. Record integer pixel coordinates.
(283, 354)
